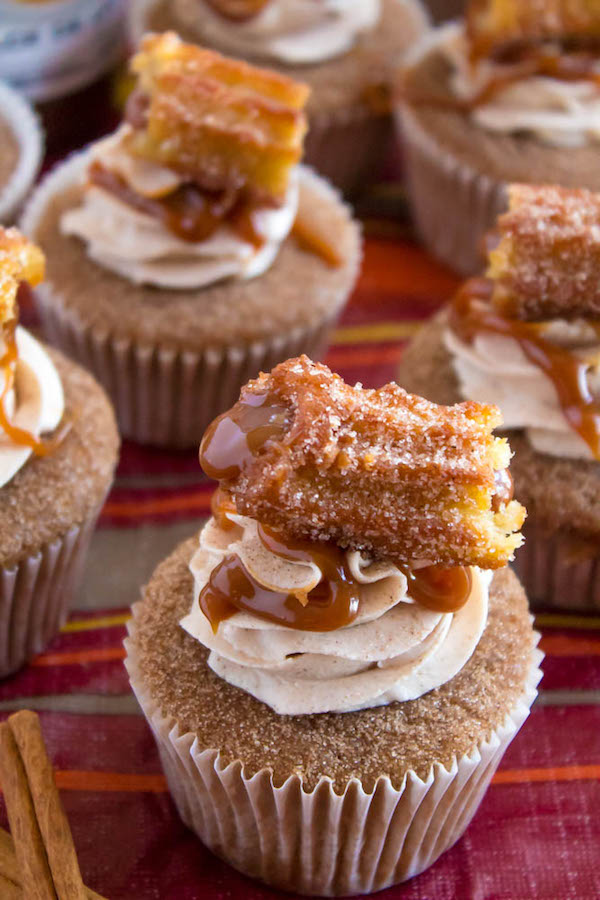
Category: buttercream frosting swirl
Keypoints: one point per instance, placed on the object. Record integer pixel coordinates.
(395, 649)
(557, 112)
(141, 248)
(287, 31)
(493, 368)
(35, 403)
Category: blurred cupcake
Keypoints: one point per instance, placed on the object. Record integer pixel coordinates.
(349, 591)
(189, 250)
(526, 337)
(21, 147)
(347, 51)
(510, 94)
(58, 449)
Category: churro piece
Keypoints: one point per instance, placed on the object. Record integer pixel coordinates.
(495, 25)
(20, 261)
(224, 124)
(378, 470)
(547, 263)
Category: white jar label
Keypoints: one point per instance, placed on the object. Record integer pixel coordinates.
(52, 48)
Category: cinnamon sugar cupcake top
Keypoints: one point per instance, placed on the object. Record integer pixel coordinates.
(526, 337)
(31, 395)
(521, 67)
(341, 568)
(201, 182)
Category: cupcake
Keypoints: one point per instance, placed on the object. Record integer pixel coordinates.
(350, 591)
(58, 449)
(347, 51)
(21, 147)
(508, 95)
(189, 249)
(525, 337)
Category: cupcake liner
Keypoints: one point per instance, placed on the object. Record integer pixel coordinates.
(163, 395)
(36, 594)
(555, 573)
(26, 127)
(319, 842)
(454, 206)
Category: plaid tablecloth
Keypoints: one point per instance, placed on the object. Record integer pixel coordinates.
(537, 834)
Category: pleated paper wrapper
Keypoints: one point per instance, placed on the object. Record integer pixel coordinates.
(36, 594)
(319, 842)
(163, 395)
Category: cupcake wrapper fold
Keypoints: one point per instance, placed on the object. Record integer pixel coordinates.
(162, 395)
(454, 206)
(320, 842)
(554, 575)
(36, 594)
(26, 127)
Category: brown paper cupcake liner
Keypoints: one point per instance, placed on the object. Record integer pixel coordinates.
(36, 594)
(162, 395)
(453, 205)
(557, 574)
(320, 842)
(26, 126)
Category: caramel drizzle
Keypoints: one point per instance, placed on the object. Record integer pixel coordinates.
(313, 242)
(190, 213)
(18, 435)
(471, 312)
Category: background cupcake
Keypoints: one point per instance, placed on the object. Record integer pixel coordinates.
(262, 701)
(510, 94)
(21, 147)
(526, 338)
(183, 260)
(347, 52)
(58, 449)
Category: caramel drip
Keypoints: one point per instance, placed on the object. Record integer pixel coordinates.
(234, 438)
(188, 212)
(18, 435)
(334, 602)
(471, 312)
(310, 240)
(221, 506)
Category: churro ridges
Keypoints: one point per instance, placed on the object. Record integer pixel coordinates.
(547, 262)
(378, 470)
(223, 123)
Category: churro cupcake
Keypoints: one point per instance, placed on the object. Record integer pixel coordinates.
(189, 249)
(58, 449)
(350, 590)
(21, 148)
(526, 338)
(346, 51)
(510, 94)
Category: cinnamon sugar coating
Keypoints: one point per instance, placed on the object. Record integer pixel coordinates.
(378, 470)
(222, 123)
(547, 263)
(493, 25)
(20, 260)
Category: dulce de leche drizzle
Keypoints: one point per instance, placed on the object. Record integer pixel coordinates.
(233, 439)
(18, 435)
(334, 602)
(188, 212)
(471, 313)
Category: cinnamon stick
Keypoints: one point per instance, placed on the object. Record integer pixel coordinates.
(36, 879)
(51, 819)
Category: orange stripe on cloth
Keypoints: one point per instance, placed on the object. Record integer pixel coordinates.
(556, 773)
(370, 356)
(79, 657)
(402, 269)
(560, 645)
(128, 508)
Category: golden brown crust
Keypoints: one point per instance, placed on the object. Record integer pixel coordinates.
(493, 25)
(547, 262)
(379, 470)
(20, 260)
(222, 123)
